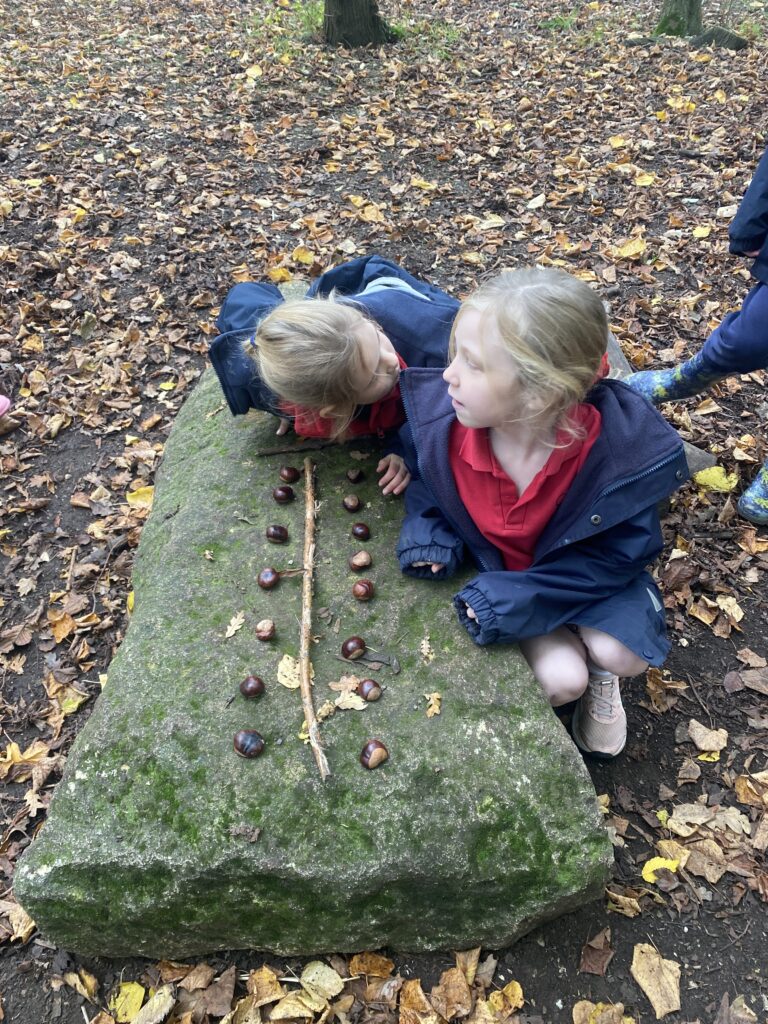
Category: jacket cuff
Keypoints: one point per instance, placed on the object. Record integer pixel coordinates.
(740, 246)
(483, 628)
(427, 553)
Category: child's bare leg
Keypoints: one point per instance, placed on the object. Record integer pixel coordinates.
(609, 654)
(558, 660)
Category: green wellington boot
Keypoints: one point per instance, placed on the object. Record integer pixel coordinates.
(689, 378)
(753, 504)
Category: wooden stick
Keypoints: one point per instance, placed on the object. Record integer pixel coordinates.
(300, 446)
(313, 727)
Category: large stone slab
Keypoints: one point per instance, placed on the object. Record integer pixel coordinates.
(161, 841)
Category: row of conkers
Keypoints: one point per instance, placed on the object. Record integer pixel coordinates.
(249, 742)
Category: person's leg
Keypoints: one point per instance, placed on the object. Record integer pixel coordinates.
(738, 345)
(599, 723)
(558, 660)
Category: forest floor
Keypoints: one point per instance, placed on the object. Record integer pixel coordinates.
(152, 155)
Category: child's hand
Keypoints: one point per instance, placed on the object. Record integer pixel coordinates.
(436, 566)
(396, 475)
(470, 612)
(284, 426)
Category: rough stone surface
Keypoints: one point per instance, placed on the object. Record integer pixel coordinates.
(162, 841)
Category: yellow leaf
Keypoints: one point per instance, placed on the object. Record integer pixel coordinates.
(167, 385)
(6, 207)
(279, 274)
(357, 201)
(303, 255)
(433, 703)
(371, 214)
(509, 999)
(720, 96)
(702, 231)
(422, 183)
(126, 1002)
(332, 166)
(663, 816)
(716, 479)
(22, 924)
(141, 498)
(662, 115)
(12, 755)
(655, 864)
(536, 203)
(710, 756)
(253, 72)
(645, 179)
(633, 248)
(288, 673)
(371, 963)
(617, 141)
(129, 602)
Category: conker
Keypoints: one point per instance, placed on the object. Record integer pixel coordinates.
(355, 475)
(353, 648)
(277, 534)
(369, 689)
(249, 743)
(363, 590)
(290, 474)
(361, 531)
(268, 578)
(373, 754)
(360, 560)
(351, 503)
(265, 629)
(283, 494)
(252, 686)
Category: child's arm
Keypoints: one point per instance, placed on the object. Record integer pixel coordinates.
(510, 606)
(396, 475)
(749, 227)
(427, 547)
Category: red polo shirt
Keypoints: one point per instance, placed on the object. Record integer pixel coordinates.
(384, 415)
(514, 522)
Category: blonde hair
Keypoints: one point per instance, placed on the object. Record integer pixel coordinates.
(308, 352)
(555, 328)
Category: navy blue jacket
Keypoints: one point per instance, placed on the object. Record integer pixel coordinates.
(749, 229)
(418, 326)
(589, 563)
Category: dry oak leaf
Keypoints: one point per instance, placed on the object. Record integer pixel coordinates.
(415, 1008)
(433, 703)
(658, 978)
(452, 997)
(235, 623)
(372, 964)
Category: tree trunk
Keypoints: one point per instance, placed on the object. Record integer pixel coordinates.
(679, 18)
(353, 23)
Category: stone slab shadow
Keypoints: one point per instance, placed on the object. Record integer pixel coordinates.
(161, 841)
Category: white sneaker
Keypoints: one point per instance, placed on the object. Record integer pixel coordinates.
(599, 725)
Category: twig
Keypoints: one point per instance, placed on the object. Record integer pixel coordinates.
(302, 446)
(704, 707)
(306, 620)
(71, 568)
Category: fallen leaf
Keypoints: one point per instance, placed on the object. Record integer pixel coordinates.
(658, 978)
(467, 960)
(596, 954)
(264, 985)
(716, 479)
(507, 999)
(84, 983)
(707, 739)
(126, 1002)
(433, 703)
(289, 674)
(415, 1008)
(321, 980)
(141, 498)
(452, 996)
(371, 963)
(158, 1007)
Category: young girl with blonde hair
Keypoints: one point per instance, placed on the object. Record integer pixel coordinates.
(330, 363)
(550, 479)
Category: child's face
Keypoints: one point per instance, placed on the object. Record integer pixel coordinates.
(481, 378)
(379, 366)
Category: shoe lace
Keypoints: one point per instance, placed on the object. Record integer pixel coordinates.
(601, 692)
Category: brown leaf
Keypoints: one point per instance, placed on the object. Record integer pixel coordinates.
(597, 954)
(371, 964)
(199, 977)
(219, 996)
(658, 978)
(756, 679)
(467, 961)
(452, 997)
(415, 1008)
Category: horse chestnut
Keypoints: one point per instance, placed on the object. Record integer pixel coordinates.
(290, 474)
(360, 560)
(355, 475)
(268, 578)
(252, 686)
(363, 590)
(353, 648)
(361, 531)
(283, 494)
(265, 629)
(249, 743)
(369, 689)
(277, 534)
(373, 754)
(351, 503)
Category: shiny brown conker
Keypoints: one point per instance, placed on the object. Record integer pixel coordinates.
(360, 560)
(369, 689)
(353, 648)
(290, 474)
(373, 754)
(249, 743)
(361, 531)
(355, 475)
(268, 578)
(265, 629)
(363, 590)
(277, 534)
(283, 494)
(351, 503)
(252, 686)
